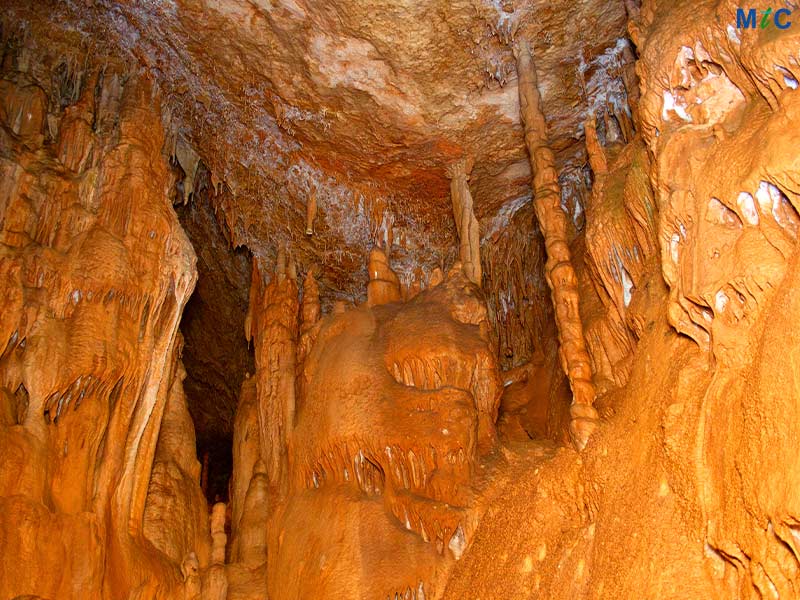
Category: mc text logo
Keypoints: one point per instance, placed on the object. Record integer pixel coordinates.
(749, 18)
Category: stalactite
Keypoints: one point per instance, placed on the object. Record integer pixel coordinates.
(435, 278)
(311, 212)
(466, 223)
(559, 271)
(597, 155)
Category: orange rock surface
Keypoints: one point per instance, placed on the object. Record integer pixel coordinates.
(444, 299)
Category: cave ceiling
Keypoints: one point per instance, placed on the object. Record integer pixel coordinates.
(362, 103)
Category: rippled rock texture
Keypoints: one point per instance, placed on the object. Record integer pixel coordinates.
(95, 273)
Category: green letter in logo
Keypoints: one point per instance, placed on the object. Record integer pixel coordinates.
(765, 18)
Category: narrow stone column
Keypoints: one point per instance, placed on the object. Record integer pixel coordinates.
(466, 223)
(272, 323)
(383, 286)
(216, 580)
(310, 312)
(558, 269)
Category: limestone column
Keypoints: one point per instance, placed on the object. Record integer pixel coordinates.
(597, 155)
(310, 312)
(466, 223)
(249, 545)
(272, 324)
(558, 269)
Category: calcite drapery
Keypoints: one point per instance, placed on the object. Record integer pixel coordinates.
(399, 399)
(95, 273)
(466, 223)
(558, 269)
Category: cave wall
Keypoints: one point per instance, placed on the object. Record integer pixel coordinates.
(690, 269)
(96, 271)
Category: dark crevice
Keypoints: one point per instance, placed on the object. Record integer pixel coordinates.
(215, 354)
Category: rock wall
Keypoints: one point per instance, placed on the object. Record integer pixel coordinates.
(686, 489)
(95, 272)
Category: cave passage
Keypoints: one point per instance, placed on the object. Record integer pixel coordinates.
(216, 355)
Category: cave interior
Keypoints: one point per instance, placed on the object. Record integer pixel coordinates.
(408, 299)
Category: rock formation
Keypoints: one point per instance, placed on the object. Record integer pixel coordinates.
(96, 271)
(215, 584)
(466, 223)
(559, 271)
(256, 342)
(273, 327)
(384, 286)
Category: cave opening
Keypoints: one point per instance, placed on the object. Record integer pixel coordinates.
(216, 355)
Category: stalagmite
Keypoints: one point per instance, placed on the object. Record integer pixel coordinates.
(274, 326)
(310, 312)
(175, 510)
(249, 546)
(396, 423)
(435, 278)
(466, 223)
(597, 155)
(309, 315)
(246, 451)
(190, 569)
(383, 286)
(215, 585)
(558, 269)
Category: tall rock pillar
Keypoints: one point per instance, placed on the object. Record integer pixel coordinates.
(466, 223)
(558, 269)
(273, 325)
